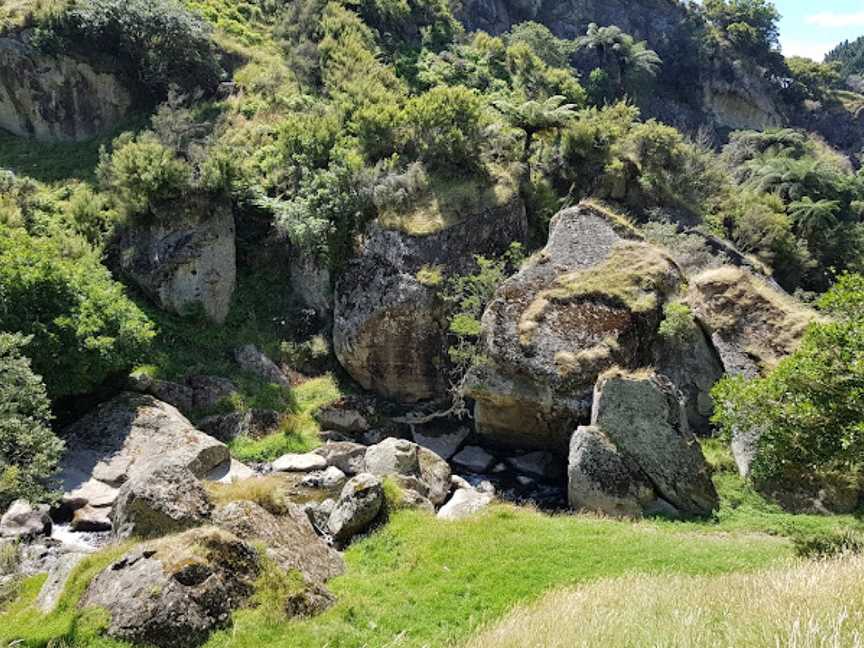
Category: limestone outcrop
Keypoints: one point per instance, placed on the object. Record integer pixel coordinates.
(389, 327)
(183, 258)
(590, 300)
(57, 98)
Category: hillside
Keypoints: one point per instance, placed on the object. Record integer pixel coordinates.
(414, 323)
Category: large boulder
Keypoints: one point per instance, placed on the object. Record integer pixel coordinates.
(753, 325)
(125, 437)
(389, 325)
(359, 506)
(639, 455)
(24, 520)
(290, 539)
(465, 503)
(162, 500)
(347, 456)
(193, 394)
(184, 257)
(172, 593)
(253, 424)
(57, 98)
(591, 299)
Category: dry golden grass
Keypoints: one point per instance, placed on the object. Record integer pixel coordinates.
(15, 14)
(450, 202)
(806, 605)
(270, 492)
(734, 302)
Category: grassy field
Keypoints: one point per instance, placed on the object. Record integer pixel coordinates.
(424, 582)
(807, 605)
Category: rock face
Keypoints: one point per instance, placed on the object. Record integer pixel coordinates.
(23, 520)
(57, 98)
(125, 437)
(359, 505)
(312, 283)
(290, 539)
(639, 455)
(159, 501)
(172, 593)
(740, 99)
(195, 393)
(590, 300)
(255, 361)
(752, 326)
(255, 424)
(185, 258)
(389, 328)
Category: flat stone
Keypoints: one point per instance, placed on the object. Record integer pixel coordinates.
(464, 503)
(444, 444)
(542, 465)
(91, 518)
(474, 459)
(330, 478)
(300, 463)
(52, 588)
(229, 472)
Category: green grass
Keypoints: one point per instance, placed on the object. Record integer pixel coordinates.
(424, 582)
(67, 623)
(58, 161)
(299, 431)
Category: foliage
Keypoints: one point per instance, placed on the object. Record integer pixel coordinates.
(809, 408)
(812, 80)
(850, 56)
(750, 25)
(84, 327)
(467, 296)
(678, 323)
(29, 451)
(444, 128)
(619, 54)
(554, 52)
(160, 41)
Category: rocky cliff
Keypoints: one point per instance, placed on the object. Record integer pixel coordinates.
(57, 97)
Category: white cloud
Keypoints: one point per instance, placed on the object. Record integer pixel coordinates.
(807, 49)
(836, 20)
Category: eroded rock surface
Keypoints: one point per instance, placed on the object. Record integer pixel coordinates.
(57, 98)
(590, 300)
(184, 258)
(388, 326)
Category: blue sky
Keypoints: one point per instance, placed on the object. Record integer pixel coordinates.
(812, 28)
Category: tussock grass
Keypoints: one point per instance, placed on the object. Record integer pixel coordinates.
(806, 605)
(448, 202)
(732, 301)
(269, 492)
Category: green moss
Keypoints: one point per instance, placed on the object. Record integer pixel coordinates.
(430, 276)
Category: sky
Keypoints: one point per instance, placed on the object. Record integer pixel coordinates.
(811, 29)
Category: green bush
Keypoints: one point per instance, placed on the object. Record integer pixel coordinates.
(140, 172)
(84, 327)
(445, 129)
(29, 450)
(810, 408)
(160, 41)
(678, 324)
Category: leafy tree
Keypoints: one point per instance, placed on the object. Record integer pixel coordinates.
(850, 56)
(810, 408)
(161, 42)
(444, 129)
(29, 450)
(750, 25)
(554, 52)
(84, 328)
(813, 217)
(812, 80)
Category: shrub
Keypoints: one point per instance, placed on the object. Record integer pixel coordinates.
(445, 129)
(678, 324)
(84, 327)
(29, 450)
(810, 408)
(829, 544)
(141, 172)
(160, 41)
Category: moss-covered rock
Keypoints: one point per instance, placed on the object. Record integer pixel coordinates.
(590, 300)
